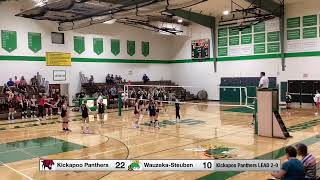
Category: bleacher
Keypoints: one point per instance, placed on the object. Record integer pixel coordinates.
(90, 89)
(43, 87)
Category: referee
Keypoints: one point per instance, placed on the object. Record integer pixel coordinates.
(264, 81)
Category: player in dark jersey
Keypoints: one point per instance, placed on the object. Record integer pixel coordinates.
(85, 117)
(64, 116)
(11, 109)
(41, 105)
(288, 100)
(24, 107)
(33, 106)
(177, 105)
(152, 107)
(101, 111)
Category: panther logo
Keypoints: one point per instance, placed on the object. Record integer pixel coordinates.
(47, 164)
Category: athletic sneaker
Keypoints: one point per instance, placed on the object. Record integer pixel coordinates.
(151, 124)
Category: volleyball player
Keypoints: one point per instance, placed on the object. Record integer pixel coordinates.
(177, 106)
(288, 100)
(64, 116)
(152, 112)
(33, 105)
(157, 124)
(41, 106)
(47, 106)
(24, 107)
(125, 101)
(101, 111)
(317, 102)
(11, 109)
(138, 108)
(85, 117)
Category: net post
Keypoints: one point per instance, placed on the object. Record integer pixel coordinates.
(119, 103)
(255, 116)
(240, 93)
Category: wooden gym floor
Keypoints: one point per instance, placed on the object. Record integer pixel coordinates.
(23, 143)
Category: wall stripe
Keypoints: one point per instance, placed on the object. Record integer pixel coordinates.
(221, 59)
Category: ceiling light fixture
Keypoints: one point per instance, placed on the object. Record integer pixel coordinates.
(180, 20)
(226, 12)
(111, 21)
(40, 3)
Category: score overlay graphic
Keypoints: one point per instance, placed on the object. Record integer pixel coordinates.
(159, 165)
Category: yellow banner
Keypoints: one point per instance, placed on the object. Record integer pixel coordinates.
(58, 59)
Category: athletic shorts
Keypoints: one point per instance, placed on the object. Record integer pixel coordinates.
(47, 106)
(33, 108)
(85, 119)
(65, 120)
(152, 113)
(24, 108)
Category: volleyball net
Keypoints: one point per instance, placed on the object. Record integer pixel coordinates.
(229, 96)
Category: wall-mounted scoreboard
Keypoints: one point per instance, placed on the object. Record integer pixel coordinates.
(200, 49)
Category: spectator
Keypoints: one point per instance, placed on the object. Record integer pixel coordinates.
(108, 79)
(105, 92)
(34, 83)
(308, 161)
(145, 78)
(183, 94)
(10, 83)
(112, 79)
(91, 80)
(113, 92)
(120, 79)
(23, 82)
(116, 79)
(82, 94)
(5, 89)
(292, 169)
(16, 81)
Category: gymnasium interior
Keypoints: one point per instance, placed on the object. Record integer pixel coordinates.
(204, 57)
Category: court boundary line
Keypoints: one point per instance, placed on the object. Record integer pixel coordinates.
(18, 172)
(165, 149)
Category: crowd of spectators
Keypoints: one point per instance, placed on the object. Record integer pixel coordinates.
(28, 101)
(114, 79)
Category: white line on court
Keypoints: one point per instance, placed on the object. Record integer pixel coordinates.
(16, 171)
